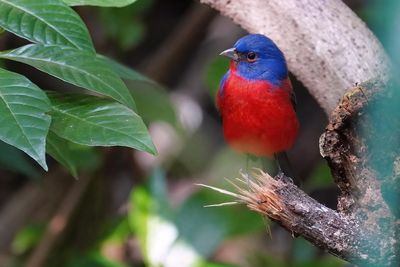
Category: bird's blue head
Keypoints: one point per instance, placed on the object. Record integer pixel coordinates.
(258, 58)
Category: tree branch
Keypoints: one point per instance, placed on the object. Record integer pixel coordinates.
(300, 214)
(348, 145)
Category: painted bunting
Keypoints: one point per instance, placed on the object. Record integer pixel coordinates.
(256, 99)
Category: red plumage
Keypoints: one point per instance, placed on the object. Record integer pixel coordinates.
(258, 117)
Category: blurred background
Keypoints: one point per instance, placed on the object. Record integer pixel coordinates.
(128, 208)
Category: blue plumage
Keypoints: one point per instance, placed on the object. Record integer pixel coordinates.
(269, 64)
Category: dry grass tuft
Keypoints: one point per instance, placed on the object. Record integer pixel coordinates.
(259, 191)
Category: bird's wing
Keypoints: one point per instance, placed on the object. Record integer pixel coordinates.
(293, 99)
(287, 84)
(221, 89)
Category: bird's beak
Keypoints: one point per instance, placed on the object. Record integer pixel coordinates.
(231, 53)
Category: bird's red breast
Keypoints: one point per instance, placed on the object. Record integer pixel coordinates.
(258, 117)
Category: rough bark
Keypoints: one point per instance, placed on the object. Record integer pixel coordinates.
(349, 145)
(362, 132)
(330, 49)
(326, 45)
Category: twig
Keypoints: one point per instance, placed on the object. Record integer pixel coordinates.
(24, 204)
(58, 222)
(175, 50)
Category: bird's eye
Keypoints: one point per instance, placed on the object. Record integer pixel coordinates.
(251, 57)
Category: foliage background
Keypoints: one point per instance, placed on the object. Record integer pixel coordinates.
(129, 208)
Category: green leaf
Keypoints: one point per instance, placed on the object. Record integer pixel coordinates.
(138, 216)
(124, 71)
(15, 160)
(78, 67)
(106, 3)
(94, 259)
(93, 121)
(145, 93)
(213, 264)
(325, 261)
(250, 223)
(215, 71)
(168, 241)
(320, 177)
(303, 251)
(49, 22)
(117, 24)
(70, 155)
(59, 149)
(266, 258)
(27, 238)
(150, 217)
(117, 231)
(202, 228)
(23, 121)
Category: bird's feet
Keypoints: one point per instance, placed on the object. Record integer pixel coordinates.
(282, 177)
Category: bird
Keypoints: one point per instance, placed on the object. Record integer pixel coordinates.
(256, 100)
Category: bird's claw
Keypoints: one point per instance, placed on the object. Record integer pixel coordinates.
(282, 177)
